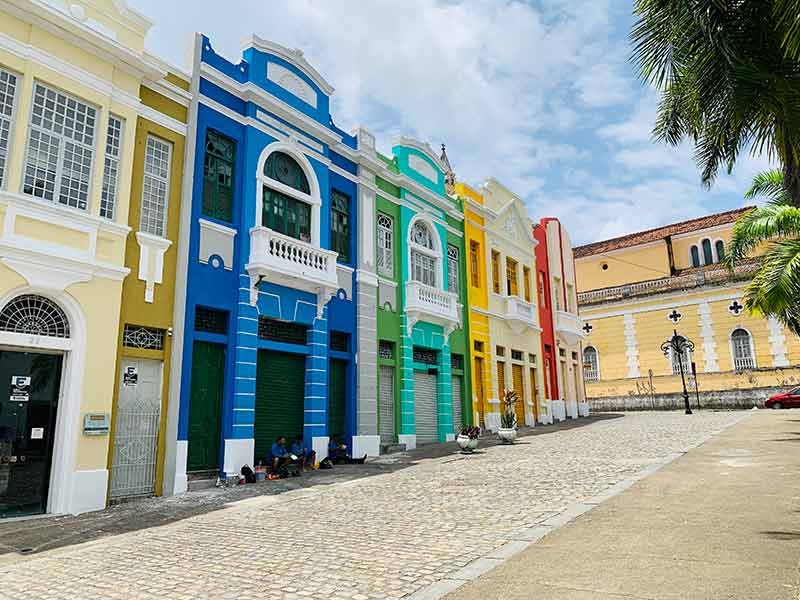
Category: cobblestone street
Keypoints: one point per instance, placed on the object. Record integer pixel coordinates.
(385, 536)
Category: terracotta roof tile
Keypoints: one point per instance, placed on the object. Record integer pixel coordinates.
(659, 233)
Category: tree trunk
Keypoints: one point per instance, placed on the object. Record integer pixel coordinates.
(791, 175)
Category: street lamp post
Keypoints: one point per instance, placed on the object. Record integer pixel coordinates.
(680, 346)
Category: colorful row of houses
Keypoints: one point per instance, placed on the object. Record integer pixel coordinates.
(194, 263)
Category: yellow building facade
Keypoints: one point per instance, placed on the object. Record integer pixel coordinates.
(504, 322)
(71, 76)
(636, 291)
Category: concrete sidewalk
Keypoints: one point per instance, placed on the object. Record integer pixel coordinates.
(721, 522)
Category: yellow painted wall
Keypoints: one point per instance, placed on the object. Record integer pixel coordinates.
(682, 244)
(624, 266)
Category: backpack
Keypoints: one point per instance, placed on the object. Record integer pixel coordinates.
(247, 473)
(326, 463)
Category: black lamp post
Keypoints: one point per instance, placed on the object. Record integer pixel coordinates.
(680, 346)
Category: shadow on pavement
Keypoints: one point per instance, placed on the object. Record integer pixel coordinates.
(38, 534)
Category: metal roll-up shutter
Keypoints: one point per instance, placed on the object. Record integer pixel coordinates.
(386, 404)
(426, 421)
(458, 421)
(337, 394)
(280, 398)
(517, 375)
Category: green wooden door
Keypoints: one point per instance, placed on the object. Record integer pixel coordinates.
(337, 393)
(205, 406)
(280, 398)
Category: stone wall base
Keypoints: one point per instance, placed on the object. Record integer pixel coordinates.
(722, 399)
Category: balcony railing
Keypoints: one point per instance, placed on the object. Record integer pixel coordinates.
(569, 327)
(520, 312)
(744, 364)
(290, 262)
(426, 303)
(591, 374)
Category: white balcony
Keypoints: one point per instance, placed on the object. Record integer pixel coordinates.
(569, 326)
(286, 261)
(520, 314)
(432, 305)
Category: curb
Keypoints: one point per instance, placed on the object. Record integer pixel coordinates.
(528, 536)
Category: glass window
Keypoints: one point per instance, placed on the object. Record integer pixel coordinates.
(340, 225)
(452, 269)
(590, 367)
(8, 92)
(58, 166)
(283, 168)
(155, 186)
(218, 167)
(108, 199)
(286, 215)
(708, 255)
(385, 258)
(526, 281)
(474, 263)
(495, 272)
(542, 290)
(720, 248)
(742, 350)
(695, 256)
(681, 359)
(511, 277)
(423, 268)
(421, 235)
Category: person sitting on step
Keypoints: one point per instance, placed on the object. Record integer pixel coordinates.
(279, 455)
(306, 459)
(337, 452)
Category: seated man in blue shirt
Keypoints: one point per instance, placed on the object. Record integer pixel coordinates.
(279, 455)
(305, 458)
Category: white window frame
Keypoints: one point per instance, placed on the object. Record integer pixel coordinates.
(453, 279)
(87, 148)
(385, 245)
(435, 253)
(745, 363)
(7, 122)
(111, 167)
(161, 232)
(592, 373)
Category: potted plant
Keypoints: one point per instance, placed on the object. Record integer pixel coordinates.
(467, 438)
(508, 417)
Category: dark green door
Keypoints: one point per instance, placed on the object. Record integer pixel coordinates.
(280, 398)
(337, 393)
(29, 385)
(205, 406)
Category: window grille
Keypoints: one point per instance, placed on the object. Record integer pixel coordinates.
(144, 338)
(385, 258)
(34, 315)
(286, 170)
(58, 166)
(516, 355)
(210, 320)
(282, 331)
(386, 350)
(155, 186)
(742, 350)
(427, 357)
(340, 341)
(8, 92)
(421, 235)
(457, 362)
(108, 200)
(218, 167)
(591, 372)
(452, 269)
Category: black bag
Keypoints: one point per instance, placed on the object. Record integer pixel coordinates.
(326, 463)
(247, 473)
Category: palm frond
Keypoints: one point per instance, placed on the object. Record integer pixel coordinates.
(772, 221)
(768, 184)
(775, 289)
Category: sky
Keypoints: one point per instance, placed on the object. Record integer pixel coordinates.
(539, 94)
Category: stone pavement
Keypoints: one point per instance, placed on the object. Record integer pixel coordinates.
(380, 537)
(720, 522)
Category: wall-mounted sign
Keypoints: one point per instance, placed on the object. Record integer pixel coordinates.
(37, 433)
(96, 423)
(20, 388)
(130, 376)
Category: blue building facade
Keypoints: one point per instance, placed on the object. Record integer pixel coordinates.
(269, 338)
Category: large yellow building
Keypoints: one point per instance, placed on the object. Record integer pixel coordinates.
(504, 318)
(71, 77)
(636, 290)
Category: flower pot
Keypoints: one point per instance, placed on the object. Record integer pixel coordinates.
(507, 436)
(462, 441)
(473, 443)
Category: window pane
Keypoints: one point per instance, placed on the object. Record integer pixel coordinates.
(108, 199)
(708, 256)
(385, 257)
(8, 91)
(218, 168)
(283, 168)
(340, 225)
(695, 256)
(720, 247)
(474, 262)
(452, 269)
(155, 186)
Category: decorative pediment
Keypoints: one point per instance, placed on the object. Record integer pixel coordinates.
(292, 83)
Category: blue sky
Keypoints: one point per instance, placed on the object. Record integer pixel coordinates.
(538, 94)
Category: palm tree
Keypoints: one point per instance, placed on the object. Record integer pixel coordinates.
(729, 77)
(775, 289)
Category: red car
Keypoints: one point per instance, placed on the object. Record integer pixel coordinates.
(790, 399)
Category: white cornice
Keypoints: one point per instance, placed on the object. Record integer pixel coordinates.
(293, 56)
(666, 301)
(169, 90)
(423, 147)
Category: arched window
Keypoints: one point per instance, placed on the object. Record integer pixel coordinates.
(708, 254)
(286, 201)
(719, 246)
(681, 359)
(34, 315)
(695, 256)
(424, 254)
(742, 350)
(591, 370)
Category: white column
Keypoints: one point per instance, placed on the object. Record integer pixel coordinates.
(777, 343)
(707, 334)
(632, 350)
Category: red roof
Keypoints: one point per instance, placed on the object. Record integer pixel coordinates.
(659, 233)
